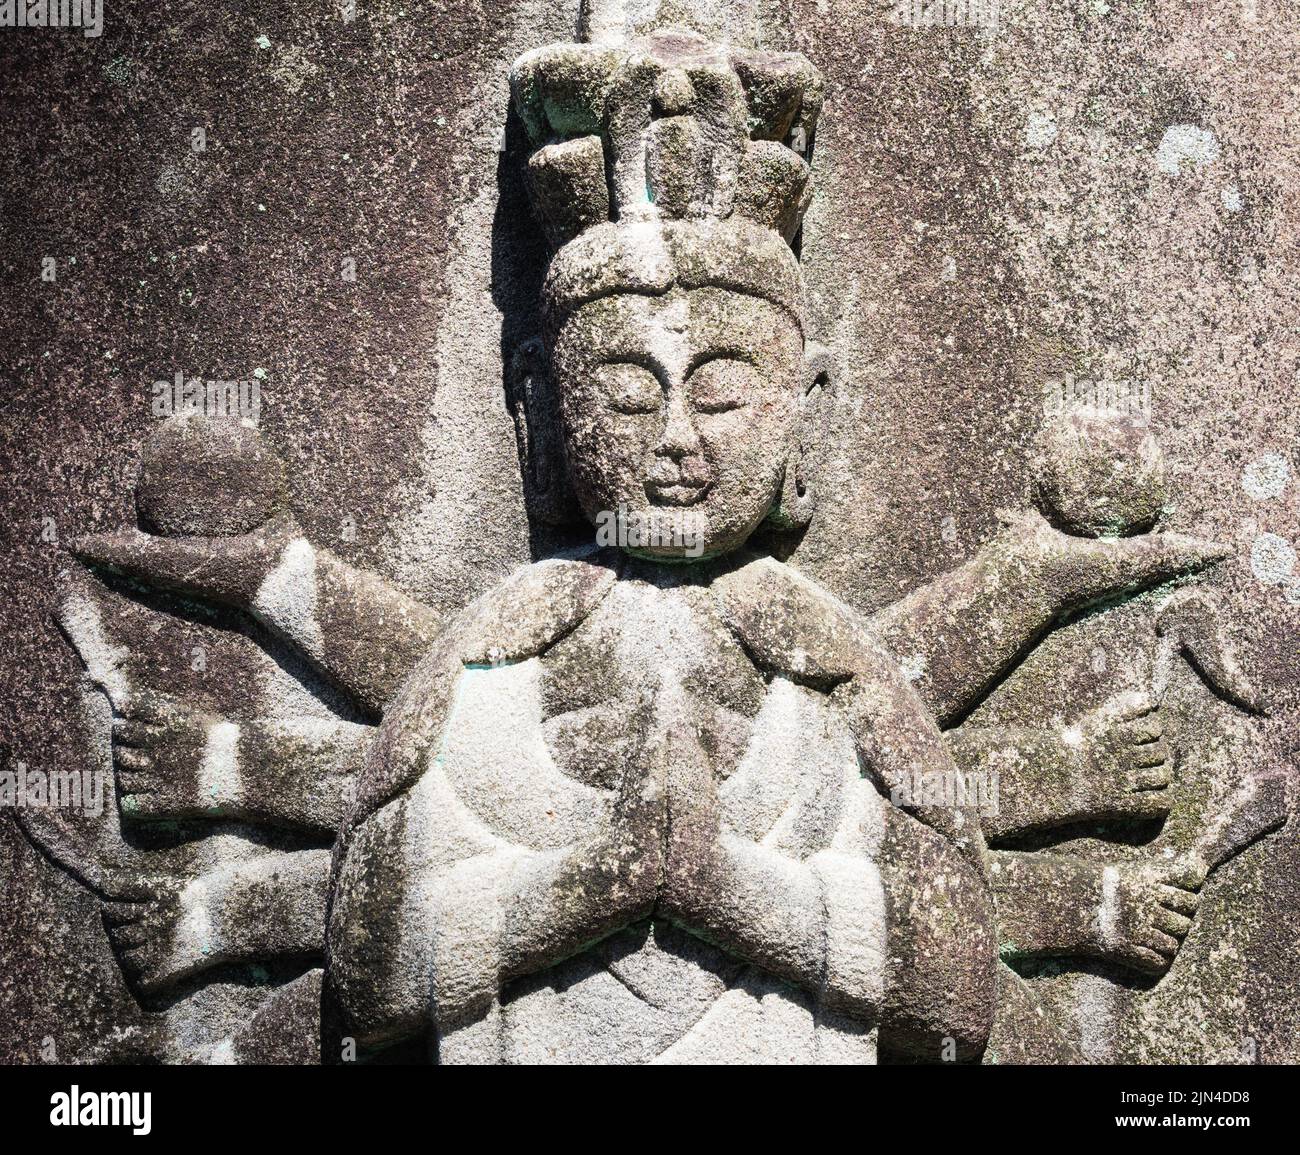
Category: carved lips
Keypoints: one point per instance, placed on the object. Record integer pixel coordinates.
(678, 483)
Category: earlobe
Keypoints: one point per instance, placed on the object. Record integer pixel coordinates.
(534, 406)
(818, 369)
(798, 500)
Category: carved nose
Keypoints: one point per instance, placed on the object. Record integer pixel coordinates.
(679, 438)
(673, 94)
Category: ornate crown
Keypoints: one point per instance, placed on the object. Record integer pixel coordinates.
(659, 153)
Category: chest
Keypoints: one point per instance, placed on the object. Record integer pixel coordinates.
(644, 654)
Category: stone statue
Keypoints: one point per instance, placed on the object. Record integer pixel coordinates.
(662, 799)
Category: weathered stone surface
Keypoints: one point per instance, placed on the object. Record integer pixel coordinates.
(669, 799)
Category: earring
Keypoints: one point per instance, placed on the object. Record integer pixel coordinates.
(534, 406)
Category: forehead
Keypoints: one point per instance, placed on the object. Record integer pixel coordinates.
(700, 318)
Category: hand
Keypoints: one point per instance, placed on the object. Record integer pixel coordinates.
(619, 871)
(1085, 568)
(1124, 748)
(143, 915)
(227, 570)
(158, 752)
(1146, 913)
(632, 853)
(693, 812)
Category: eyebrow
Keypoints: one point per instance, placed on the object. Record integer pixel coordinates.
(721, 352)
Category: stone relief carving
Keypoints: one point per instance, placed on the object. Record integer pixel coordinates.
(662, 799)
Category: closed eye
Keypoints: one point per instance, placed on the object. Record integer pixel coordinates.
(630, 388)
(722, 385)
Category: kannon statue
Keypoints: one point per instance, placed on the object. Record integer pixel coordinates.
(663, 799)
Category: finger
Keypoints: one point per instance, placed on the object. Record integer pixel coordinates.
(1152, 754)
(1161, 943)
(131, 889)
(1176, 898)
(130, 733)
(1146, 729)
(1139, 803)
(1134, 706)
(1187, 873)
(151, 709)
(118, 913)
(130, 936)
(1171, 923)
(1148, 961)
(132, 759)
(1146, 778)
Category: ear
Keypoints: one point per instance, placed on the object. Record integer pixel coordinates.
(531, 396)
(819, 370)
(798, 500)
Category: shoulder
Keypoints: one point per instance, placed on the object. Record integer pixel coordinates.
(516, 620)
(532, 609)
(791, 626)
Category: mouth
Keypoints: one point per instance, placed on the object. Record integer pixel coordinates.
(676, 493)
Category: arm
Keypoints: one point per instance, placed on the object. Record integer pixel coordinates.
(176, 763)
(1129, 913)
(793, 628)
(267, 907)
(1112, 764)
(821, 922)
(352, 625)
(965, 628)
(436, 901)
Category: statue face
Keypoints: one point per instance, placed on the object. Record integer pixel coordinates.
(678, 416)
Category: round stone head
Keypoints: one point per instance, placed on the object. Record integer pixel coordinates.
(1100, 472)
(677, 354)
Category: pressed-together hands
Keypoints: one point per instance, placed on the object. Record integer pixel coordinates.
(666, 852)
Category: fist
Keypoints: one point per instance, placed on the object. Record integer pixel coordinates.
(1146, 913)
(1124, 748)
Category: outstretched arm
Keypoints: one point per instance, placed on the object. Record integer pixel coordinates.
(173, 762)
(351, 624)
(168, 929)
(1130, 913)
(967, 627)
(1113, 763)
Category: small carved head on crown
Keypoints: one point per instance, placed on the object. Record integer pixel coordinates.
(670, 173)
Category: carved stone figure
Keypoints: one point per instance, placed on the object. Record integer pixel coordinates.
(664, 798)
